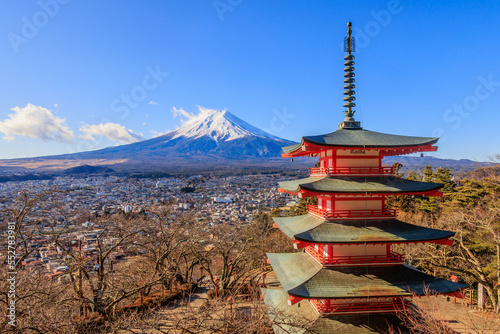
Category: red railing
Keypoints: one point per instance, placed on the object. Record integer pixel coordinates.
(322, 171)
(358, 259)
(397, 304)
(346, 214)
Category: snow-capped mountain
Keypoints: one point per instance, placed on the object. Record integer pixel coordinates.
(220, 125)
(212, 135)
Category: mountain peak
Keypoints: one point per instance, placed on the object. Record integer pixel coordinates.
(219, 125)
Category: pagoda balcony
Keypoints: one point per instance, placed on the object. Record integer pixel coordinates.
(326, 307)
(372, 171)
(392, 258)
(351, 214)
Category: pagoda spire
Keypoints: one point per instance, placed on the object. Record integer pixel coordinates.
(349, 47)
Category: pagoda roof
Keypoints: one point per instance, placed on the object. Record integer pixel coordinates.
(359, 184)
(305, 318)
(288, 319)
(360, 138)
(312, 229)
(301, 276)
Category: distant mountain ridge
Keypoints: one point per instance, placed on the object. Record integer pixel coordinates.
(213, 139)
(458, 167)
(87, 170)
(213, 136)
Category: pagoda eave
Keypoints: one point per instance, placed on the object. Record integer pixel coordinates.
(407, 150)
(299, 243)
(357, 185)
(341, 323)
(313, 230)
(301, 276)
(305, 193)
(310, 149)
(386, 294)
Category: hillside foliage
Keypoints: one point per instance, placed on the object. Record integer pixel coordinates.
(471, 209)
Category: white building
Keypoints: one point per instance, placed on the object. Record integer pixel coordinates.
(223, 200)
(161, 184)
(127, 208)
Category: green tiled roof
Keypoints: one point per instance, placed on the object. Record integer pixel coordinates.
(290, 272)
(360, 184)
(312, 229)
(362, 138)
(292, 226)
(302, 278)
(358, 324)
(288, 319)
(303, 313)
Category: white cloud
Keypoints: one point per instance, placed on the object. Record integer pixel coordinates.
(187, 116)
(181, 113)
(154, 103)
(155, 133)
(112, 131)
(205, 111)
(35, 122)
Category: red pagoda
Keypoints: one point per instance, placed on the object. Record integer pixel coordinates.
(348, 279)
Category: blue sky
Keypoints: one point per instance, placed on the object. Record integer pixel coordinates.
(81, 75)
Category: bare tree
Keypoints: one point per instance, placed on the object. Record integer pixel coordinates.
(225, 257)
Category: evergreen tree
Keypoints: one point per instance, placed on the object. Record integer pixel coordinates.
(442, 175)
(471, 192)
(301, 208)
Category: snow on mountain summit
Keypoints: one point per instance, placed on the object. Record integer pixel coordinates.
(220, 125)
